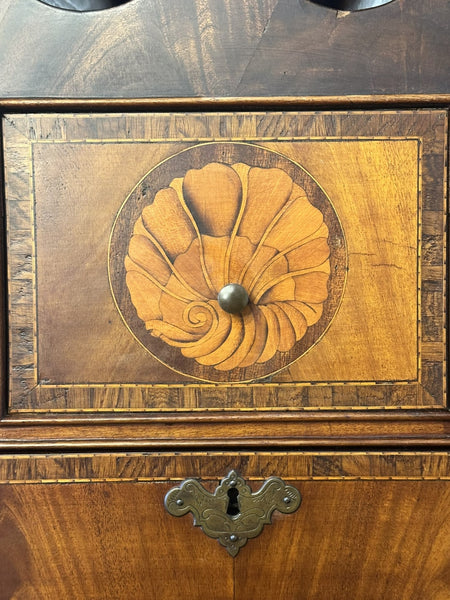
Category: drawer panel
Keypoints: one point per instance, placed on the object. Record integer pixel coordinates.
(122, 228)
(371, 525)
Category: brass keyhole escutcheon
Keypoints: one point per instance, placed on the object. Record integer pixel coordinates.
(233, 513)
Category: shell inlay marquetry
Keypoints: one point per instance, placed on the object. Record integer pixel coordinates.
(221, 198)
(220, 214)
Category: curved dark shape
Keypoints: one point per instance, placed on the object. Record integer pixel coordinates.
(351, 4)
(84, 5)
(233, 298)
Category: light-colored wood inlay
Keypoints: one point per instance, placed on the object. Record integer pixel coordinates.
(376, 258)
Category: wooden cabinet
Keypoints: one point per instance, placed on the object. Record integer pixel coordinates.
(371, 525)
(126, 372)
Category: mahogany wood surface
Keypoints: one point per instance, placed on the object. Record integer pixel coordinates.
(65, 329)
(84, 471)
(223, 48)
(236, 430)
(383, 544)
(371, 526)
(382, 224)
(104, 541)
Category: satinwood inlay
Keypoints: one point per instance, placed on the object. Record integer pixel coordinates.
(220, 214)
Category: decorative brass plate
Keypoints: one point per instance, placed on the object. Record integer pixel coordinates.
(233, 514)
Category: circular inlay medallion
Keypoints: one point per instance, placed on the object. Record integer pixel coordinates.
(210, 225)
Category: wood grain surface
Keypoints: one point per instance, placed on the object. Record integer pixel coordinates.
(71, 432)
(84, 525)
(384, 174)
(104, 541)
(223, 48)
(213, 465)
(371, 525)
(362, 540)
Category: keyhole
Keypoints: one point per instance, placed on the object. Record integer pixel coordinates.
(233, 502)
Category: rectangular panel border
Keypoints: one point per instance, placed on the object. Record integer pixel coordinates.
(69, 396)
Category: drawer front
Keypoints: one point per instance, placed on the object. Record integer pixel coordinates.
(123, 228)
(371, 525)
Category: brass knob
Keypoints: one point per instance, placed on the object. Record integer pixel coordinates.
(233, 298)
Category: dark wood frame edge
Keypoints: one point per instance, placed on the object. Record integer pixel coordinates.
(225, 103)
(349, 429)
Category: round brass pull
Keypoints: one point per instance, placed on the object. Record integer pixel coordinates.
(233, 298)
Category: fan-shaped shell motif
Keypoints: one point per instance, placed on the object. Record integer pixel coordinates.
(221, 224)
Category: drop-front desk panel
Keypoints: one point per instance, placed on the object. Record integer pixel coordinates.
(133, 366)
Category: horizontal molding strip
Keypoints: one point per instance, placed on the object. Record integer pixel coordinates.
(165, 467)
(196, 103)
